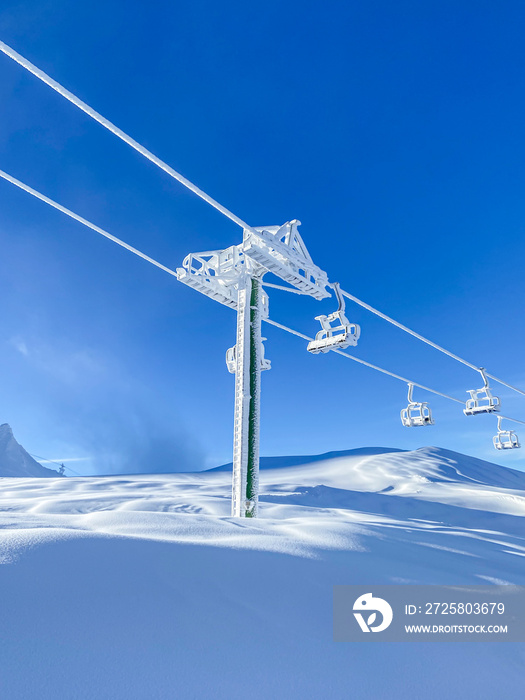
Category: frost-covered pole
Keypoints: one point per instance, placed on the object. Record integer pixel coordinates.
(245, 488)
(233, 277)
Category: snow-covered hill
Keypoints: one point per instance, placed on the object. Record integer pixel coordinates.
(15, 461)
(294, 460)
(143, 587)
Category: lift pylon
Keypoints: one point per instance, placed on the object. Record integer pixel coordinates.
(234, 277)
(246, 422)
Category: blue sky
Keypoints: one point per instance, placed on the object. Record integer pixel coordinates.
(393, 131)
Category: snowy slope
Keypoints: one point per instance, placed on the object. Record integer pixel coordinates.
(294, 460)
(143, 587)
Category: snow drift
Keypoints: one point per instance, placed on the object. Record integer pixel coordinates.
(143, 587)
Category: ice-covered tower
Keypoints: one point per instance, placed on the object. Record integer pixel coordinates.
(234, 277)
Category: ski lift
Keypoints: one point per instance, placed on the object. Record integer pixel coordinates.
(231, 358)
(505, 439)
(336, 330)
(416, 413)
(481, 400)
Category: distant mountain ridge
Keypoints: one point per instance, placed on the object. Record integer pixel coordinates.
(15, 461)
(295, 460)
(432, 464)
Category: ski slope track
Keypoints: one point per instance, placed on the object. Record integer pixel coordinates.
(143, 587)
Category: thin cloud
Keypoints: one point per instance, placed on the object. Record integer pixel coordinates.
(20, 345)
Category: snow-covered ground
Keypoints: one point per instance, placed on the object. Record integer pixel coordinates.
(143, 587)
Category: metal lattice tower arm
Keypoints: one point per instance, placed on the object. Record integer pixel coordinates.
(281, 250)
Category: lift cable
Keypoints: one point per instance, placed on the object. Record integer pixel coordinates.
(101, 231)
(52, 461)
(425, 340)
(285, 289)
(196, 190)
(363, 362)
(118, 132)
(378, 369)
(87, 223)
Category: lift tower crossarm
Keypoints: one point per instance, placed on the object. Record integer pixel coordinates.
(281, 250)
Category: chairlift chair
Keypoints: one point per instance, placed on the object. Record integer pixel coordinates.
(505, 439)
(481, 400)
(416, 414)
(336, 330)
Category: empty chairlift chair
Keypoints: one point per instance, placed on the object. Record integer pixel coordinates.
(481, 400)
(416, 413)
(505, 439)
(336, 330)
